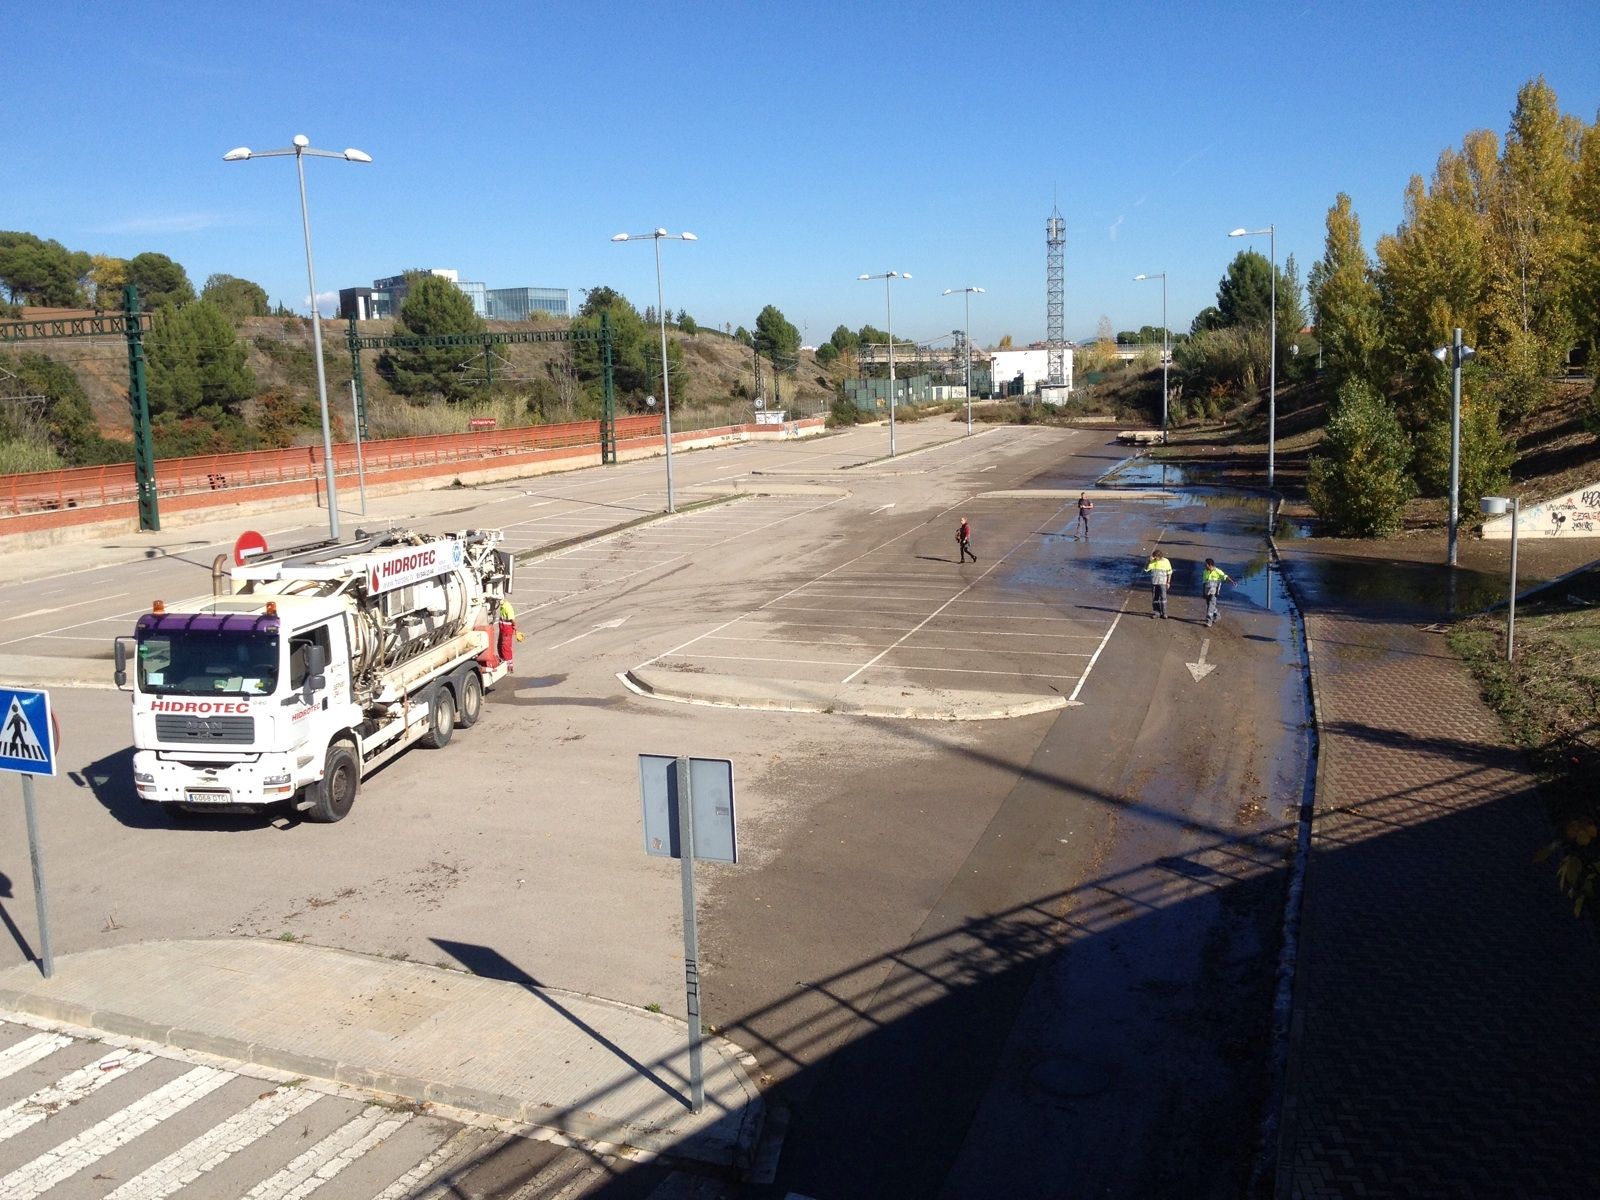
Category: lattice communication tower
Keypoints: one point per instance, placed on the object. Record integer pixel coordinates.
(1055, 240)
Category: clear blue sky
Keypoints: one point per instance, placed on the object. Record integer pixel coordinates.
(804, 143)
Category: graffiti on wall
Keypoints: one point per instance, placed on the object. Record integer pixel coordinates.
(1575, 515)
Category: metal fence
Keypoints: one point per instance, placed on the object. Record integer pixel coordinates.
(79, 487)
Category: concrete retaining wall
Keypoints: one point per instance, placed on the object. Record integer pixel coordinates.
(1575, 515)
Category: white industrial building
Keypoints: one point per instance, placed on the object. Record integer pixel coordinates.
(1032, 364)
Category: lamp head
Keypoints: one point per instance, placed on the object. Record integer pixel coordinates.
(301, 140)
(978, 290)
(1239, 233)
(863, 276)
(949, 292)
(1137, 278)
(237, 155)
(1494, 506)
(353, 155)
(661, 233)
(1442, 353)
(689, 237)
(620, 237)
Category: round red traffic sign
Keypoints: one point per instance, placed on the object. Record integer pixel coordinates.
(249, 545)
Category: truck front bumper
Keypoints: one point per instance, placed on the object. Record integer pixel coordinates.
(264, 779)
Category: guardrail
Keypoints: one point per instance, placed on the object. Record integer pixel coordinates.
(115, 483)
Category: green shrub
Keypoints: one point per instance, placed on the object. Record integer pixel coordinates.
(1358, 482)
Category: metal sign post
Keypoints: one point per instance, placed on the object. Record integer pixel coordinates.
(671, 790)
(28, 748)
(691, 938)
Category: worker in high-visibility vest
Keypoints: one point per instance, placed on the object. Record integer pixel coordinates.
(1159, 568)
(509, 637)
(1211, 581)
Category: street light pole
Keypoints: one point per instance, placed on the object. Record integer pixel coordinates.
(661, 314)
(1272, 354)
(966, 338)
(1161, 275)
(888, 301)
(301, 149)
(1456, 354)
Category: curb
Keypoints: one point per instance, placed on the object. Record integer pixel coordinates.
(653, 689)
(739, 1155)
(1286, 1013)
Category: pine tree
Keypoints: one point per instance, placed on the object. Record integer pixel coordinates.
(1358, 480)
(433, 306)
(1345, 299)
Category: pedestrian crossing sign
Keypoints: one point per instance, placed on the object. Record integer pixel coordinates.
(27, 741)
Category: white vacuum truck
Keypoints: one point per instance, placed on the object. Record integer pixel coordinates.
(322, 664)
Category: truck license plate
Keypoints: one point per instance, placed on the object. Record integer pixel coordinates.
(207, 797)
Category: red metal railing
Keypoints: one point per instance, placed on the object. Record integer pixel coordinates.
(78, 487)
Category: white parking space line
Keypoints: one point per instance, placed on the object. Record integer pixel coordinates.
(41, 612)
(309, 1171)
(69, 1089)
(1096, 656)
(89, 1147)
(216, 1145)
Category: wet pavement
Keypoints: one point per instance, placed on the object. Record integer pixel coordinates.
(1438, 1044)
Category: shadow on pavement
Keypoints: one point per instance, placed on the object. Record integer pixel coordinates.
(491, 964)
(7, 892)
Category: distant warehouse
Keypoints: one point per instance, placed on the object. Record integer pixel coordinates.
(385, 296)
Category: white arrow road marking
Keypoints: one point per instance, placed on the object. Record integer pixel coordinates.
(1202, 668)
(611, 624)
(981, 470)
(879, 509)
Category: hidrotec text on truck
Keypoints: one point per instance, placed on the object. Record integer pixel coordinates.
(322, 664)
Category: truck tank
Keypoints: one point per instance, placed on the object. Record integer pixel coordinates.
(408, 593)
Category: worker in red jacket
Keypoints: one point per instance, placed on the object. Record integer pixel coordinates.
(964, 541)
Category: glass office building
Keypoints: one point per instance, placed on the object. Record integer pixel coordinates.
(520, 303)
(385, 296)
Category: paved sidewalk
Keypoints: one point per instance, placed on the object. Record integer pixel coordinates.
(583, 1066)
(1445, 1038)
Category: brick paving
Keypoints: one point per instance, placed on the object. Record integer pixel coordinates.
(1445, 1038)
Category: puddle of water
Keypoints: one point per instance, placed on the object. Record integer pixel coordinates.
(1148, 472)
(538, 681)
(1410, 590)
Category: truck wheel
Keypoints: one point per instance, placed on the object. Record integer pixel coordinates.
(470, 705)
(441, 719)
(332, 795)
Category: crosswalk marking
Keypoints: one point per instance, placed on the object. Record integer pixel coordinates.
(466, 1139)
(212, 1148)
(14, 1118)
(37, 1177)
(327, 1158)
(29, 1051)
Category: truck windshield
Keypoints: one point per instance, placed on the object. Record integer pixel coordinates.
(194, 662)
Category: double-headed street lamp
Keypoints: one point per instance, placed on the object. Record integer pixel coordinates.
(300, 149)
(1161, 275)
(889, 277)
(1271, 233)
(658, 236)
(966, 339)
(1456, 354)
